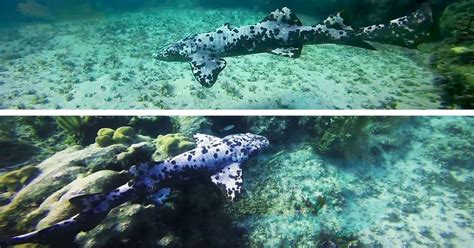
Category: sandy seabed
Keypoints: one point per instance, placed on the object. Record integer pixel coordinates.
(106, 63)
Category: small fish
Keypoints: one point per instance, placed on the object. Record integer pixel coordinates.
(228, 128)
(218, 158)
(282, 33)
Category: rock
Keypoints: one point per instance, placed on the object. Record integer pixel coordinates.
(55, 173)
(171, 145)
(291, 194)
(190, 125)
(14, 180)
(137, 153)
(274, 128)
(127, 225)
(358, 137)
(57, 207)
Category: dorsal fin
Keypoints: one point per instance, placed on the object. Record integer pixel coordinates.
(337, 22)
(283, 15)
(225, 27)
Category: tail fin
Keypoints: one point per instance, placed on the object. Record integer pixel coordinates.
(408, 31)
(57, 234)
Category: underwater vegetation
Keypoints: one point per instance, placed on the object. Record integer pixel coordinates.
(325, 182)
(453, 57)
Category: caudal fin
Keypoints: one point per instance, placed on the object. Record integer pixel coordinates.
(57, 234)
(408, 31)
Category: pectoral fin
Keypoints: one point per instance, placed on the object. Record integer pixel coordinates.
(229, 180)
(160, 197)
(206, 68)
(290, 52)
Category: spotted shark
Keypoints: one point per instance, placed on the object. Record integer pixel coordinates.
(282, 33)
(218, 158)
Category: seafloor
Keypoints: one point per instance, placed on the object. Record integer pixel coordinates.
(362, 182)
(106, 63)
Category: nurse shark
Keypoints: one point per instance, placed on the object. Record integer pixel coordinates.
(218, 158)
(282, 33)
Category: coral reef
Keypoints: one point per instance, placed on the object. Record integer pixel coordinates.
(170, 145)
(454, 57)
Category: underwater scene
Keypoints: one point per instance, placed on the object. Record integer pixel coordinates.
(329, 182)
(236, 54)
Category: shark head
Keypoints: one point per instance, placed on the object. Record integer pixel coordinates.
(179, 51)
(257, 143)
(252, 143)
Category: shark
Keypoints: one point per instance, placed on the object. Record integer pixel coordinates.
(282, 33)
(220, 159)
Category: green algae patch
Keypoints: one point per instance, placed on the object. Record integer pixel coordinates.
(170, 145)
(124, 135)
(14, 180)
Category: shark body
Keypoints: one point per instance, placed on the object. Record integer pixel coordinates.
(220, 159)
(282, 33)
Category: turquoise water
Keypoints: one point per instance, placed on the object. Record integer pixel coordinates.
(99, 55)
(337, 182)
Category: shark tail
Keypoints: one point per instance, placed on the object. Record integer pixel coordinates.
(93, 209)
(59, 234)
(408, 31)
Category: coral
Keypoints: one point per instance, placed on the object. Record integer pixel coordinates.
(14, 180)
(171, 145)
(104, 137)
(124, 135)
